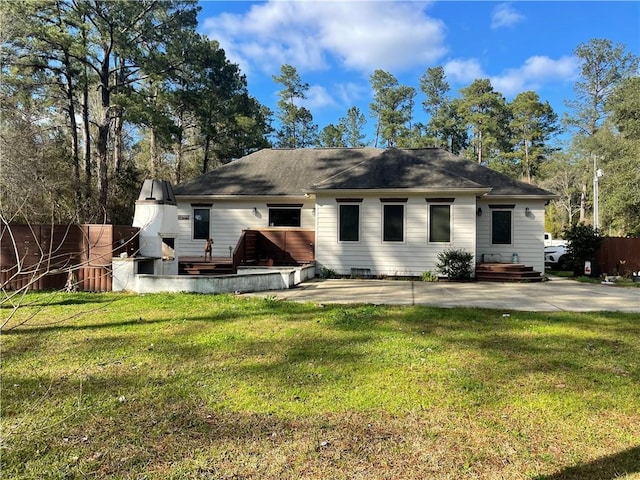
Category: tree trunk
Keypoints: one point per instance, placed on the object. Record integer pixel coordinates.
(75, 149)
(205, 160)
(103, 158)
(153, 151)
(86, 128)
(117, 117)
(117, 141)
(583, 198)
(526, 160)
(179, 149)
(102, 146)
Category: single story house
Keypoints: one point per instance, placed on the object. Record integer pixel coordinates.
(380, 211)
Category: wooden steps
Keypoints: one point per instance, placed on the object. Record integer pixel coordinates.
(200, 266)
(506, 272)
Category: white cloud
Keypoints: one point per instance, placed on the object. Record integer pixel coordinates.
(463, 71)
(536, 72)
(351, 93)
(362, 36)
(317, 97)
(505, 16)
(532, 75)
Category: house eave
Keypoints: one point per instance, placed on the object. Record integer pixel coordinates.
(520, 197)
(262, 198)
(387, 191)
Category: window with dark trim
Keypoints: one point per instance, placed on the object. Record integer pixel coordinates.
(440, 223)
(349, 223)
(284, 217)
(501, 227)
(393, 223)
(201, 223)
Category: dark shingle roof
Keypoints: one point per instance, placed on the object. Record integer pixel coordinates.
(275, 172)
(295, 171)
(395, 169)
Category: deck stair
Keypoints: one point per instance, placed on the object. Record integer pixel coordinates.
(200, 266)
(506, 272)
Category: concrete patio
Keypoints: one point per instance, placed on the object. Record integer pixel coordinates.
(558, 294)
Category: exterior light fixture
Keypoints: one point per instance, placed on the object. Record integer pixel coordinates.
(527, 212)
(479, 212)
(255, 211)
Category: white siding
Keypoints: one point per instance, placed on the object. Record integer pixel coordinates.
(227, 220)
(527, 233)
(411, 257)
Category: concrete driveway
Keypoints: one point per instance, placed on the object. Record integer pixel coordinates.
(555, 295)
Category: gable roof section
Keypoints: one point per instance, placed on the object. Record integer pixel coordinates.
(395, 169)
(501, 184)
(275, 172)
(296, 171)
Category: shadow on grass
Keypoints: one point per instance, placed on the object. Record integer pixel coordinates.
(626, 462)
(64, 325)
(57, 298)
(298, 313)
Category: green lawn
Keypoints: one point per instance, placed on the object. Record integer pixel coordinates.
(222, 387)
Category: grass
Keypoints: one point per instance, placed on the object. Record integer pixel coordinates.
(201, 386)
(623, 282)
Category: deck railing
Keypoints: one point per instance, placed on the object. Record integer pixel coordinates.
(274, 246)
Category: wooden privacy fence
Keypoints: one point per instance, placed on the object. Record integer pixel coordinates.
(619, 256)
(48, 257)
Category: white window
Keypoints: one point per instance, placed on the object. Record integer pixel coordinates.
(348, 222)
(439, 223)
(201, 223)
(501, 227)
(393, 222)
(284, 217)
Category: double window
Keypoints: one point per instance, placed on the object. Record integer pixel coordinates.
(284, 215)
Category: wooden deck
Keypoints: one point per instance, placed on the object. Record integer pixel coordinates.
(200, 266)
(506, 272)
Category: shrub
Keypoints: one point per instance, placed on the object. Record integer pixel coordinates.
(455, 264)
(583, 242)
(429, 277)
(328, 273)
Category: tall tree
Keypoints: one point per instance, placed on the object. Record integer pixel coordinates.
(392, 107)
(36, 183)
(331, 136)
(603, 66)
(121, 34)
(445, 124)
(618, 143)
(561, 174)
(307, 130)
(41, 50)
(118, 66)
(351, 126)
(293, 118)
(532, 126)
(485, 111)
(435, 87)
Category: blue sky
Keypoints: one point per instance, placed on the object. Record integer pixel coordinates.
(336, 46)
